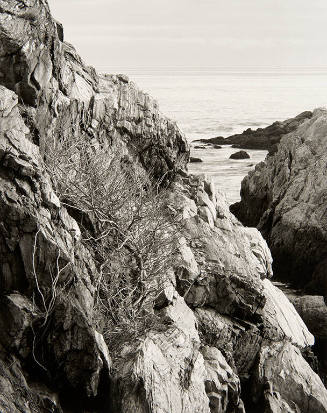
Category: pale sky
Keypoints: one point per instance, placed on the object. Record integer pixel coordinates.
(197, 33)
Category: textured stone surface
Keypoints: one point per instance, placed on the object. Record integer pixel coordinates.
(311, 308)
(285, 198)
(221, 381)
(169, 372)
(17, 395)
(287, 380)
(48, 74)
(39, 243)
(289, 324)
(238, 340)
(231, 259)
(217, 310)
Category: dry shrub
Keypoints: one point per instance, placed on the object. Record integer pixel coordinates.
(125, 222)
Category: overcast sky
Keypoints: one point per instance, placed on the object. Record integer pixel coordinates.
(198, 33)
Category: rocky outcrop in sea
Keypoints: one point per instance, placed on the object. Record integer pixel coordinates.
(261, 138)
(99, 310)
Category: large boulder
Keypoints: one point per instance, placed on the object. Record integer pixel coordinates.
(171, 372)
(281, 375)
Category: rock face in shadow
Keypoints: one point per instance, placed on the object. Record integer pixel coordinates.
(262, 138)
(313, 311)
(220, 315)
(285, 198)
(39, 239)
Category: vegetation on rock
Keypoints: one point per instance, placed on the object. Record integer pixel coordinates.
(127, 285)
(127, 225)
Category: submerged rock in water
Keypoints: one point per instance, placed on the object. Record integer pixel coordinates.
(195, 160)
(240, 155)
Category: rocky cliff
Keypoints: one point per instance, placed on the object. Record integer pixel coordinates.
(285, 198)
(126, 285)
(59, 94)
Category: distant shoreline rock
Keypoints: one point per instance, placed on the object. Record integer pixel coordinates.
(219, 140)
(207, 146)
(240, 155)
(261, 138)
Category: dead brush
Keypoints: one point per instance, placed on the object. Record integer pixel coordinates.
(126, 224)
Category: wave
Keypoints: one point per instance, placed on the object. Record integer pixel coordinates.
(253, 124)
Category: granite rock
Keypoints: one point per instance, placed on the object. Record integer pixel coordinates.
(284, 198)
(281, 373)
(52, 356)
(49, 75)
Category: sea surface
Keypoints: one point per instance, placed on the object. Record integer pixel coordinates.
(209, 102)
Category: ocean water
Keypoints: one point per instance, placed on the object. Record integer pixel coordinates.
(227, 174)
(209, 102)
